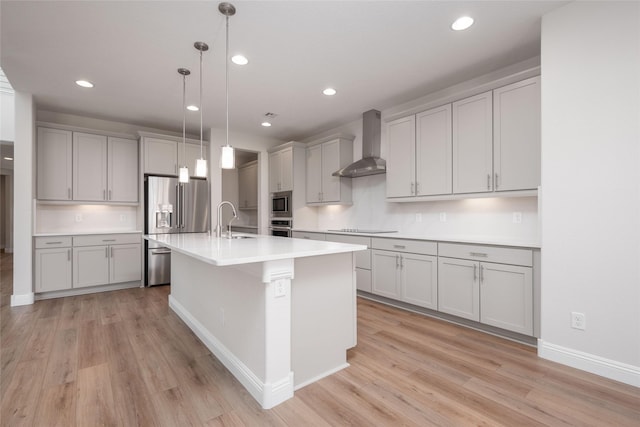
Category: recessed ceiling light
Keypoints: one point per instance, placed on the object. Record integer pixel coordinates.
(84, 83)
(240, 60)
(266, 124)
(8, 158)
(462, 23)
(193, 108)
(329, 91)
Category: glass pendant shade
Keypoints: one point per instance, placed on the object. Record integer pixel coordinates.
(183, 175)
(201, 168)
(227, 157)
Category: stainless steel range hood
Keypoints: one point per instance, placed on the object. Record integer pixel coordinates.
(371, 163)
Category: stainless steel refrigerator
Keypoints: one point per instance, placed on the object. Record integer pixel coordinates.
(171, 207)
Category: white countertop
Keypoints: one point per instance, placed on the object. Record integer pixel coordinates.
(256, 248)
(480, 240)
(86, 233)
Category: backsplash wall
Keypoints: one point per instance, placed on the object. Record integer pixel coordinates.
(85, 218)
(469, 218)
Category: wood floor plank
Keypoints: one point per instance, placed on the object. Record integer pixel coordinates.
(94, 397)
(57, 406)
(63, 358)
(21, 397)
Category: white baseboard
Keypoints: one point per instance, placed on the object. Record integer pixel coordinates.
(607, 368)
(267, 394)
(25, 299)
(321, 376)
(89, 290)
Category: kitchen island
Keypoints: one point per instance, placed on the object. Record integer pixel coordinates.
(279, 313)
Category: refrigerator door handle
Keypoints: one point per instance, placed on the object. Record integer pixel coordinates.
(178, 206)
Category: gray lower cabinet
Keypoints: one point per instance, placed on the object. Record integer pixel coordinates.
(409, 273)
(363, 258)
(52, 263)
(494, 293)
(66, 262)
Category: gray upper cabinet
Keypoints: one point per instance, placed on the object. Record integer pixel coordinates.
(54, 149)
(473, 144)
(516, 139)
(248, 186)
(281, 170)
(401, 172)
(86, 167)
(160, 156)
(433, 152)
(322, 161)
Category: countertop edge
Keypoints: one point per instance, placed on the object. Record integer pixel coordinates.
(85, 233)
(407, 236)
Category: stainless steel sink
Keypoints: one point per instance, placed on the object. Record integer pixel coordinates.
(239, 237)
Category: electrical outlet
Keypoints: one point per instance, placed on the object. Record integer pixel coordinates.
(517, 217)
(123, 218)
(418, 217)
(78, 217)
(443, 217)
(280, 288)
(578, 320)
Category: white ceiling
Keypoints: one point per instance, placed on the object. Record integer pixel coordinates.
(377, 54)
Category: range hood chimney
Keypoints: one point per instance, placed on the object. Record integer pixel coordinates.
(371, 163)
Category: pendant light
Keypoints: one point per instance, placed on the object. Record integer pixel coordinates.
(183, 175)
(227, 156)
(201, 163)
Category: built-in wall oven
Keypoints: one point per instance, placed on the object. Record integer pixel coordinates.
(281, 227)
(281, 204)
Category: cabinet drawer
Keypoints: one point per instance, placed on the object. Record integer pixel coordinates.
(53, 242)
(513, 256)
(401, 245)
(308, 235)
(106, 239)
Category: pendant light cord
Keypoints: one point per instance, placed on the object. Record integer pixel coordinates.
(201, 105)
(227, 77)
(184, 118)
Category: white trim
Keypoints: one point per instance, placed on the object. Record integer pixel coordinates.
(608, 368)
(25, 299)
(267, 394)
(322, 375)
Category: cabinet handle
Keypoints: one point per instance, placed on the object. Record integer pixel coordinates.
(412, 192)
(496, 181)
(488, 181)
(68, 192)
(479, 254)
(53, 243)
(401, 262)
(110, 251)
(481, 274)
(109, 194)
(108, 240)
(475, 272)
(104, 194)
(106, 252)
(399, 246)
(417, 188)
(68, 254)
(397, 262)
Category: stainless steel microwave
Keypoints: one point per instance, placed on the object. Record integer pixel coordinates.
(281, 204)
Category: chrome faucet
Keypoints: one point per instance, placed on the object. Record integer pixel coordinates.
(219, 227)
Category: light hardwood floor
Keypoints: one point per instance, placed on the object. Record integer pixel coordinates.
(123, 358)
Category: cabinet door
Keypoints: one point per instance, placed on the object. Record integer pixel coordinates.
(458, 288)
(385, 267)
(124, 263)
(363, 279)
(506, 297)
(160, 156)
(473, 144)
(274, 171)
(122, 170)
(314, 174)
(89, 167)
(420, 280)
(248, 186)
(90, 266)
(53, 269)
(516, 139)
(401, 167)
(54, 164)
(433, 152)
(330, 164)
(286, 170)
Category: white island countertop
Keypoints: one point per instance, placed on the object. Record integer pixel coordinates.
(221, 251)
